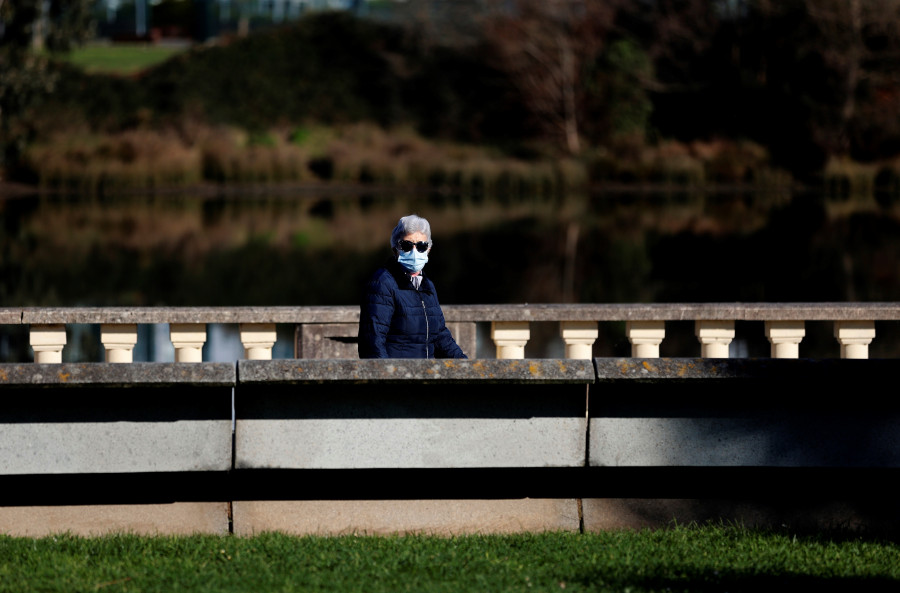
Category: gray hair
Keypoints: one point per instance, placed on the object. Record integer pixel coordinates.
(410, 224)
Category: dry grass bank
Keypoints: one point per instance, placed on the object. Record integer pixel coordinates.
(360, 153)
(191, 153)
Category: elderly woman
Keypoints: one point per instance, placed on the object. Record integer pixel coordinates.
(400, 315)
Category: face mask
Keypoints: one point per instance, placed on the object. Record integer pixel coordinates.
(412, 260)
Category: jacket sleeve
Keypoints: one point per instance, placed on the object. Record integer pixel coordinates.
(375, 316)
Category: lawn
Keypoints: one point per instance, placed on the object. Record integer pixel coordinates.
(121, 58)
(716, 558)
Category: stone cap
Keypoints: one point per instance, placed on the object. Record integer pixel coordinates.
(138, 374)
(453, 313)
(52, 315)
(675, 312)
(295, 371)
(794, 371)
(10, 315)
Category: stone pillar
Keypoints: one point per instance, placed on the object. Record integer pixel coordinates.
(579, 337)
(48, 341)
(188, 340)
(785, 337)
(854, 337)
(465, 334)
(715, 337)
(645, 337)
(119, 340)
(510, 338)
(258, 340)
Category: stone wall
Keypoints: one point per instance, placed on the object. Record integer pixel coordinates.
(344, 446)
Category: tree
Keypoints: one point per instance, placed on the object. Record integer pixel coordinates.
(545, 46)
(26, 76)
(858, 42)
(677, 34)
(629, 72)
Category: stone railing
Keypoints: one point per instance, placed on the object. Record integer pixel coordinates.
(330, 332)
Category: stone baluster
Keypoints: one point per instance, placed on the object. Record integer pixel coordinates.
(715, 336)
(258, 340)
(48, 341)
(510, 338)
(785, 337)
(854, 337)
(645, 337)
(579, 337)
(188, 340)
(118, 341)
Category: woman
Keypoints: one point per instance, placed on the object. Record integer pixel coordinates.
(400, 316)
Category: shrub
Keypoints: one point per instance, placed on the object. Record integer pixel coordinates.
(130, 159)
(845, 179)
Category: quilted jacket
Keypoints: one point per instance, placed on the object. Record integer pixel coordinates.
(398, 321)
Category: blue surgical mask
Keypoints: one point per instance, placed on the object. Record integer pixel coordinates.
(412, 260)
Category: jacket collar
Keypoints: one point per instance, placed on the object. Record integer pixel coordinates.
(403, 278)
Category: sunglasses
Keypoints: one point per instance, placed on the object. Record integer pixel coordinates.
(406, 246)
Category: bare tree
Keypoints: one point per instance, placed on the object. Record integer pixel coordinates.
(544, 45)
(859, 41)
(682, 30)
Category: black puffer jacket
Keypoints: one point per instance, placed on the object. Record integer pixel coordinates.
(398, 321)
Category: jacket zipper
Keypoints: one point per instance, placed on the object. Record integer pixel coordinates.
(425, 313)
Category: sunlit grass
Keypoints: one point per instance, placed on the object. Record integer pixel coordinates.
(121, 58)
(716, 558)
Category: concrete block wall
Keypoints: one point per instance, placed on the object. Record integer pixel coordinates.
(94, 448)
(104, 418)
(369, 414)
(744, 413)
(343, 446)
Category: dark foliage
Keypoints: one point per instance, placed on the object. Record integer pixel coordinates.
(107, 102)
(328, 68)
(687, 70)
(458, 95)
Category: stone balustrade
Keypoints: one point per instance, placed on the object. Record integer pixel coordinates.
(330, 332)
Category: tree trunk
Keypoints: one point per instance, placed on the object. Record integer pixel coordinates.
(570, 115)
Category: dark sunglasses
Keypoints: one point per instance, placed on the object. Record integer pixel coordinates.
(406, 246)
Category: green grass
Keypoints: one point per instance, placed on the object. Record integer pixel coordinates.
(120, 58)
(680, 559)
